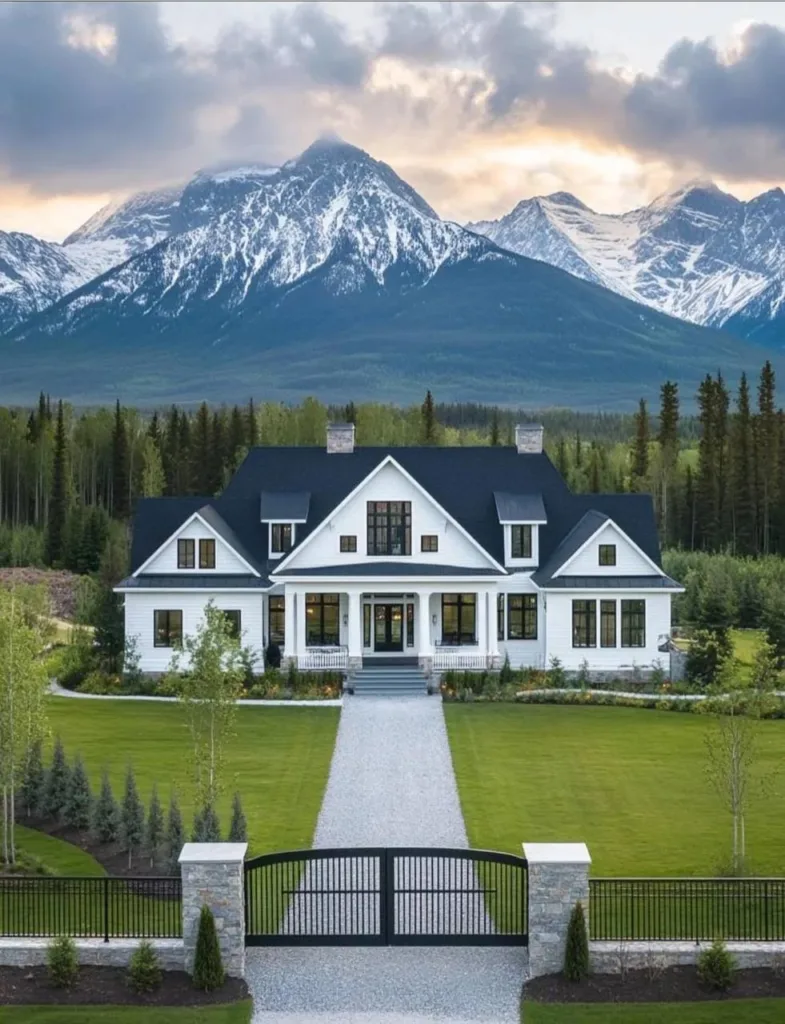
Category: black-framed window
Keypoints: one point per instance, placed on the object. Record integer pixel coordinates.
(206, 553)
(521, 616)
(235, 620)
(633, 623)
(167, 628)
(185, 553)
(584, 623)
(281, 538)
(389, 528)
(429, 542)
(607, 554)
(459, 619)
(521, 541)
(276, 620)
(348, 542)
(367, 625)
(500, 616)
(607, 623)
(410, 625)
(322, 620)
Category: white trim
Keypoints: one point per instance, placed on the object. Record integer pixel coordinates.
(598, 592)
(604, 526)
(190, 590)
(213, 533)
(284, 521)
(388, 460)
(523, 522)
(371, 581)
(280, 522)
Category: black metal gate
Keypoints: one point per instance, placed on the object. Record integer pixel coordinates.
(386, 897)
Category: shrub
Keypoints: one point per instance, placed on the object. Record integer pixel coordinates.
(175, 836)
(658, 676)
(101, 683)
(106, 814)
(557, 677)
(708, 654)
(79, 801)
(33, 781)
(576, 953)
(208, 969)
(505, 672)
(583, 678)
(272, 656)
(56, 782)
(238, 829)
(144, 970)
(62, 962)
(716, 967)
(291, 674)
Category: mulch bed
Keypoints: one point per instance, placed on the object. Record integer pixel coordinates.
(671, 985)
(109, 985)
(112, 858)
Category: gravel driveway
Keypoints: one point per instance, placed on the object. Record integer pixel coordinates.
(391, 784)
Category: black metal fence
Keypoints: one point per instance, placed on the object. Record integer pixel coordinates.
(650, 909)
(86, 908)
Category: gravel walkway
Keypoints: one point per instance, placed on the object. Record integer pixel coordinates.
(391, 784)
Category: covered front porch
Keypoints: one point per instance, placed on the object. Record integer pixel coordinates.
(343, 626)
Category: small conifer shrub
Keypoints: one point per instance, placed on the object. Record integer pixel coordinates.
(208, 972)
(576, 953)
(144, 970)
(716, 967)
(62, 962)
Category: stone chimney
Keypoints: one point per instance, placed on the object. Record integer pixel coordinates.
(340, 438)
(528, 438)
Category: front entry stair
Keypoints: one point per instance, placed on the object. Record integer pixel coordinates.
(389, 681)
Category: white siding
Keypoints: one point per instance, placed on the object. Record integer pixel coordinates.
(139, 620)
(226, 561)
(389, 485)
(559, 631)
(523, 653)
(629, 562)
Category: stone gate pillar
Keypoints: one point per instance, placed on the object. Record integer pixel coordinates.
(558, 879)
(213, 876)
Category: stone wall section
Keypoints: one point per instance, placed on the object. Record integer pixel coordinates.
(213, 876)
(617, 957)
(558, 879)
(91, 952)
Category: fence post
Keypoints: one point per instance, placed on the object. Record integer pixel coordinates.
(213, 875)
(558, 879)
(106, 908)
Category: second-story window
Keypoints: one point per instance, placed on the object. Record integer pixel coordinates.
(348, 542)
(280, 538)
(185, 553)
(429, 542)
(207, 553)
(389, 528)
(521, 542)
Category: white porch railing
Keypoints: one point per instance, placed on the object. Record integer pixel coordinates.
(321, 658)
(458, 658)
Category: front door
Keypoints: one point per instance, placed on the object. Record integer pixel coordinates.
(387, 627)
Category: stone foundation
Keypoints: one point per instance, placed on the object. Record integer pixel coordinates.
(92, 952)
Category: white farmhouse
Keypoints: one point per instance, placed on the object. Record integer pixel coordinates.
(444, 557)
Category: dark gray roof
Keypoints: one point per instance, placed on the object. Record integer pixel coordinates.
(190, 581)
(519, 508)
(611, 583)
(585, 528)
(288, 506)
(214, 519)
(462, 480)
(402, 568)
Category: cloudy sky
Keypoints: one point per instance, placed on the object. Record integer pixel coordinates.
(476, 104)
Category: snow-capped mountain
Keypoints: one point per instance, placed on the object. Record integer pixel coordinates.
(330, 275)
(696, 253)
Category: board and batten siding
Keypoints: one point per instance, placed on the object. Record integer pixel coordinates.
(559, 631)
(226, 561)
(389, 484)
(629, 562)
(140, 621)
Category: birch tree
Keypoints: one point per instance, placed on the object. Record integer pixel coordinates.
(209, 688)
(23, 631)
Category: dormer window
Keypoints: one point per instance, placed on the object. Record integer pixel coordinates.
(281, 538)
(185, 553)
(207, 553)
(607, 554)
(521, 541)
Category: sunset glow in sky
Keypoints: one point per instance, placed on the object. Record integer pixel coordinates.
(477, 105)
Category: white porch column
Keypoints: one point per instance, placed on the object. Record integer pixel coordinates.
(423, 634)
(355, 633)
(290, 638)
(491, 599)
(299, 622)
(481, 627)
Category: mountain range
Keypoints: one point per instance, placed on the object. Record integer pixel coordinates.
(330, 275)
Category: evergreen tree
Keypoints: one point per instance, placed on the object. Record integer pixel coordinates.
(350, 413)
(153, 475)
(185, 476)
(562, 459)
(668, 440)
(236, 441)
(105, 825)
(131, 817)
(154, 830)
(58, 501)
(578, 450)
(175, 835)
(253, 427)
(121, 488)
(495, 432)
(56, 782)
(640, 451)
(197, 829)
(154, 430)
(743, 473)
(208, 973)
(207, 827)
(201, 460)
(79, 801)
(428, 427)
(767, 455)
(722, 405)
(218, 454)
(576, 953)
(707, 513)
(595, 483)
(33, 781)
(238, 829)
(170, 452)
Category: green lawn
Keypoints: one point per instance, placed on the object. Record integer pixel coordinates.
(630, 783)
(734, 1011)
(60, 857)
(236, 1013)
(278, 759)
